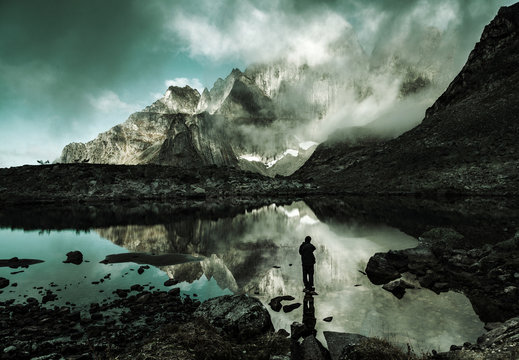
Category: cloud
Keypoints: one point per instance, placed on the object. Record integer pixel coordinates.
(368, 50)
(182, 81)
(259, 33)
(108, 102)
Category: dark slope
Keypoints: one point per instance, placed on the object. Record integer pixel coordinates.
(467, 142)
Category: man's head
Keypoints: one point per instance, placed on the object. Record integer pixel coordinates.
(308, 239)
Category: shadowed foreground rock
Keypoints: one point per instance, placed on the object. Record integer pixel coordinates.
(141, 325)
(240, 316)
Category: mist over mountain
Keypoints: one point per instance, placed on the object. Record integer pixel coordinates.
(465, 144)
(273, 111)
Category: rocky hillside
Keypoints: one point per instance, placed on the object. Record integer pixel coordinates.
(467, 142)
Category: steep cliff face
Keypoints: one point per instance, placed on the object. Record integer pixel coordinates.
(195, 140)
(467, 142)
(133, 142)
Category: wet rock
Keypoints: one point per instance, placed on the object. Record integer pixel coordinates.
(137, 287)
(283, 332)
(16, 263)
(397, 287)
(492, 325)
(297, 330)
(237, 315)
(506, 333)
(170, 282)
(143, 298)
(291, 307)
(338, 341)
(174, 292)
(312, 349)
(275, 303)
(4, 282)
(74, 257)
(49, 296)
(9, 349)
(141, 269)
(121, 293)
(380, 269)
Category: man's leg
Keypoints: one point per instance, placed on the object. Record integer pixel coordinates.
(311, 277)
(305, 277)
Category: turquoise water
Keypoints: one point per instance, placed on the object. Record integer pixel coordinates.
(254, 253)
(74, 282)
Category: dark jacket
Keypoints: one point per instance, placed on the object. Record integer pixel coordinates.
(306, 250)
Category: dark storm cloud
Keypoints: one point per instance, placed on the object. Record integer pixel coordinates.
(70, 69)
(61, 49)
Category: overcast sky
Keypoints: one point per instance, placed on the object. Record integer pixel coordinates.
(71, 69)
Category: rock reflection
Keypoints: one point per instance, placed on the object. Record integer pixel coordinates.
(257, 253)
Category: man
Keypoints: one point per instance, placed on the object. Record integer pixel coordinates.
(306, 250)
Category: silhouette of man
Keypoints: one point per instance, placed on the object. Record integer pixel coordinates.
(306, 250)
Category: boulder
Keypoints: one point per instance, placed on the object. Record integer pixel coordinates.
(338, 341)
(380, 270)
(397, 287)
(74, 257)
(312, 349)
(4, 282)
(240, 316)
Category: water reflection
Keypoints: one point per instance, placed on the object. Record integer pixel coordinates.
(257, 252)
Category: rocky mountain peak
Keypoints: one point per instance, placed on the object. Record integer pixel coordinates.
(176, 100)
(493, 60)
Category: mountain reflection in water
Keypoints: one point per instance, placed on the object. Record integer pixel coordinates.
(255, 252)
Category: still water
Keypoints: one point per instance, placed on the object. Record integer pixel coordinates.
(257, 253)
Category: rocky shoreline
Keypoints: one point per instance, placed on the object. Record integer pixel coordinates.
(488, 275)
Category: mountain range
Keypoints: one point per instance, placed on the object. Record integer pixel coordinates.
(262, 120)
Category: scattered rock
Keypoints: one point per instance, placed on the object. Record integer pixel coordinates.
(141, 269)
(74, 257)
(4, 282)
(397, 287)
(170, 282)
(275, 303)
(16, 263)
(121, 293)
(291, 307)
(137, 287)
(328, 319)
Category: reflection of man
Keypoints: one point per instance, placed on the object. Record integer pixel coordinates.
(306, 250)
(309, 315)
